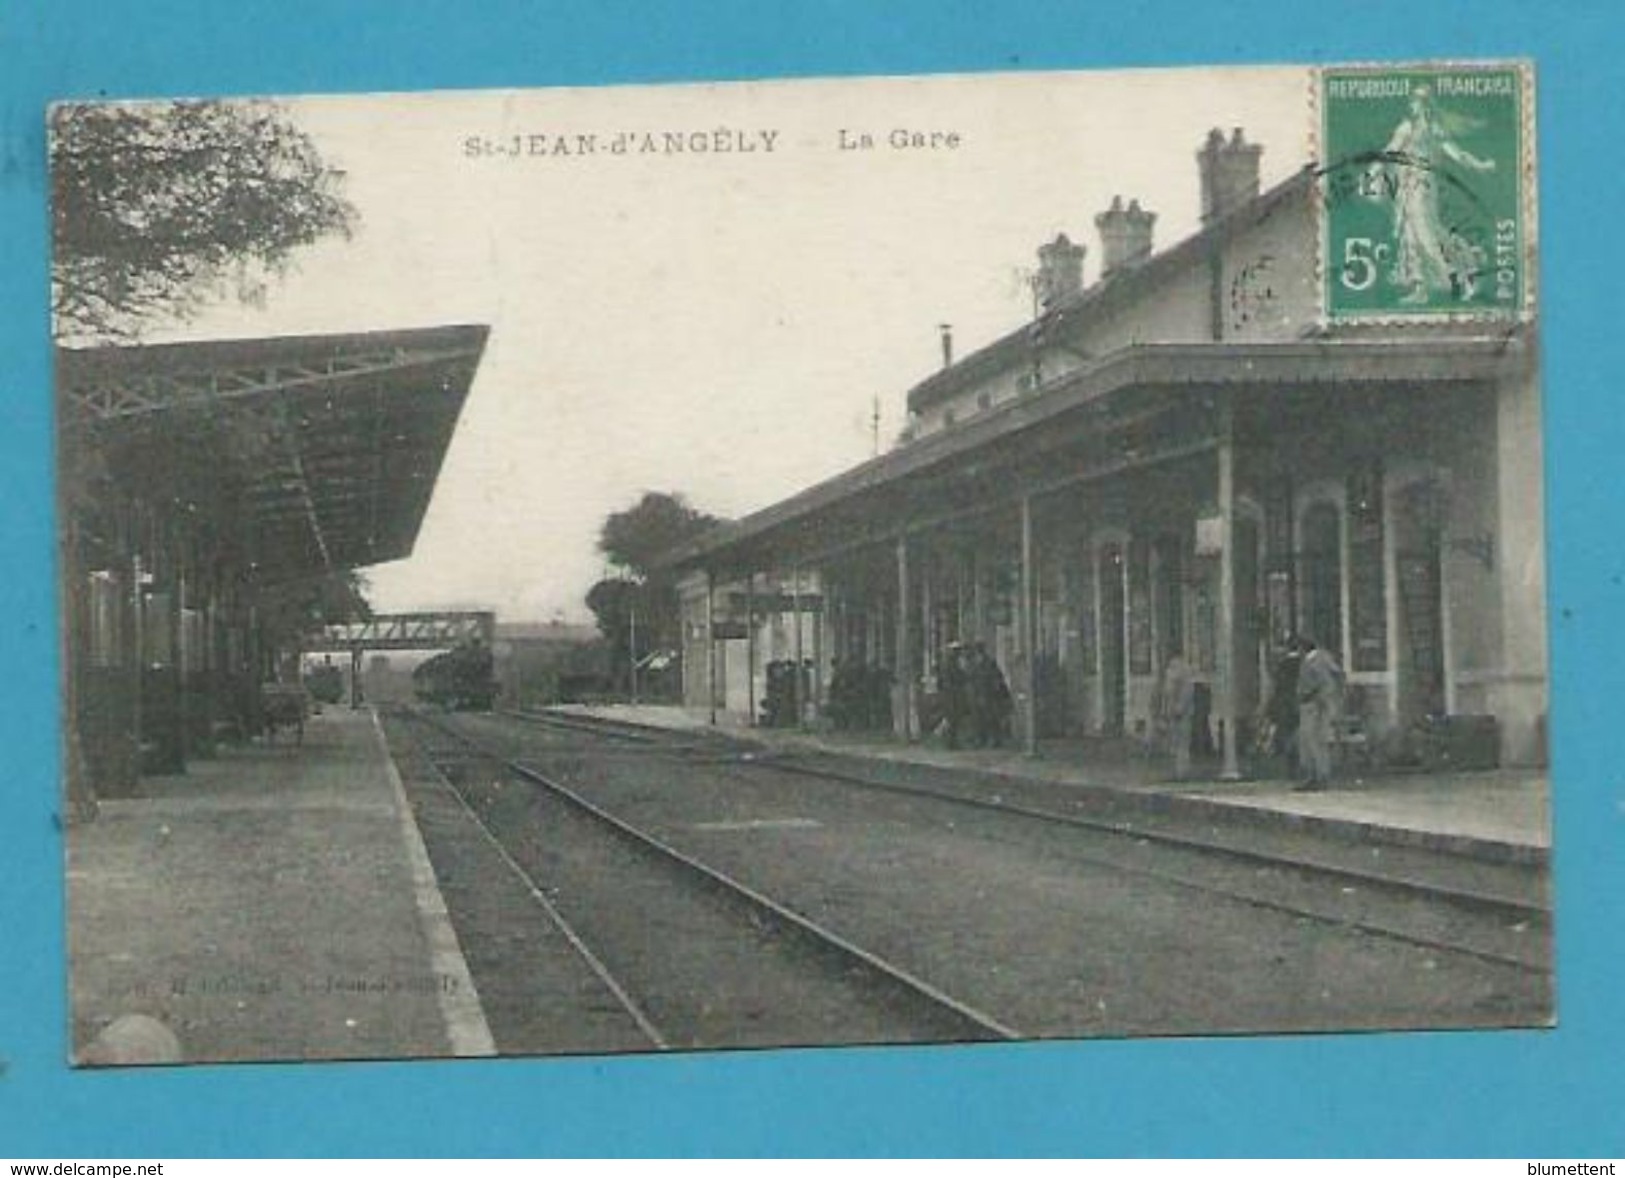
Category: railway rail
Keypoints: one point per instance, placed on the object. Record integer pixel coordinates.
(612, 985)
(943, 1017)
(1518, 926)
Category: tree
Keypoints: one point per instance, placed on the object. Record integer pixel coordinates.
(633, 539)
(622, 616)
(157, 208)
(642, 598)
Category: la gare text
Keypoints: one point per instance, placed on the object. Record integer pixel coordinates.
(716, 141)
(898, 139)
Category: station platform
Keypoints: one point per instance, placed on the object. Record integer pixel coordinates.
(1500, 815)
(274, 902)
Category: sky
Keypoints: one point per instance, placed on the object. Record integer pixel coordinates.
(720, 324)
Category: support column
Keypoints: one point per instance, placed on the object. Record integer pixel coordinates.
(711, 645)
(903, 708)
(978, 591)
(1226, 654)
(192, 586)
(79, 780)
(928, 639)
(210, 673)
(965, 588)
(820, 618)
(183, 650)
(254, 671)
(796, 700)
(632, 645)
(1029, 634)
(164, 696)
(1292, 564)
(750, 649)
(138, 661)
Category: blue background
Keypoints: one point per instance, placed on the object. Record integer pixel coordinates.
(1504, 1094)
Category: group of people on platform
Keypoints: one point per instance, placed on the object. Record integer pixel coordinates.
(1298, 722)
(789, 690)
(967, 701)
(972, 704)
(860, 696)
(1306, 701)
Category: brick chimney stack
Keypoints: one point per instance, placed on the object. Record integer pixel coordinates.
(1125, 236)
(1060, 271)
(1229, 169)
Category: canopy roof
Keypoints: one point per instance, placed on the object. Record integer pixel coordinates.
(1131, 410)
(302, 454)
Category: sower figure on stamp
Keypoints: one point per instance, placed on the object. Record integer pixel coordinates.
(1175, 707)
(1320, 697)
(1430, 256)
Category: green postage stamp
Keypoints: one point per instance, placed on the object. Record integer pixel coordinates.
(1426, 185)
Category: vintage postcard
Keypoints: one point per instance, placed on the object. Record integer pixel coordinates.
(802, 563)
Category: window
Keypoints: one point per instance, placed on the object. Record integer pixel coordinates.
(1139, 607)
(1368, 608)
(194, 641)
(155, 630)
(1320, 576)
(1170, 596)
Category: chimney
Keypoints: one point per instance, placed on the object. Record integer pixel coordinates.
(947, 331)
(1125, 236)
(1229, 171)
(1060, 271)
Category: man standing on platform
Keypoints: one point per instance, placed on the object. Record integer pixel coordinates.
(1281, 712)
(1176, 708)
(1320, 695)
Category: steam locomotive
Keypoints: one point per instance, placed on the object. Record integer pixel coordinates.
(459, 680)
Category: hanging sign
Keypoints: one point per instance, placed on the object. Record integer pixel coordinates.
(1209, 535)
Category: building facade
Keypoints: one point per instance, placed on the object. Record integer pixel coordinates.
(1182, 456)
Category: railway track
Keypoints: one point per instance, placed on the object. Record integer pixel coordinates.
(910, 1007)
(646, 1031)
(594, 726)
(1496, 925)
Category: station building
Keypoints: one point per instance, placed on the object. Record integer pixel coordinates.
(197, 482)
(1181, 456)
